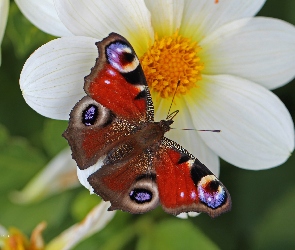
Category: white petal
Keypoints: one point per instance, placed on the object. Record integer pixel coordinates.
(193, 214)
(3, 232)
(166, 15)
(57, 176)
(4, 6)
(52, 78)
(99, 18)
(36, 239)
(182, 216)
(202, 17)
(186, 215)
(84, 174)
(44, 16)
(96, 220)
(190, 140)
(259, 49)
(257, 131)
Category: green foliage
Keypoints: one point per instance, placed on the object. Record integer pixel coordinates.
(83, 203)
(24, 36)
(19, 162)
(52, 136)
(275, 229)
(174, 234)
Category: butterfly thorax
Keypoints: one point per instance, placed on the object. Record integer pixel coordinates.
(146, 137)
(153, 132)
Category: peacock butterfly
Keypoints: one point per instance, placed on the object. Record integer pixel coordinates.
(112, 133)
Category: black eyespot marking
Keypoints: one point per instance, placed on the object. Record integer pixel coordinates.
(213, 186)
(198, 171)
(140, 195)
(90, 115)
(127, 58)
(119, 55)
(141, 94)
(211, 192)
(183, 158)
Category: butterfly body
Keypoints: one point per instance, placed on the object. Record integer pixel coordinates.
(113, 135)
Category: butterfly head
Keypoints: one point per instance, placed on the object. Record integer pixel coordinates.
(165, 125)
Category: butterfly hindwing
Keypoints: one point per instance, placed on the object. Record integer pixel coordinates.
(185, 184)
(128, 182)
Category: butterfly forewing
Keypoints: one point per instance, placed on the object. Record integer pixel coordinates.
(93, 131)
(117, 80)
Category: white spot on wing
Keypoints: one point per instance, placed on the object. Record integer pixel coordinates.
(111, 72)
(193, 195)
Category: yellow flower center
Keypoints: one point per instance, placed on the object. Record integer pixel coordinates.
(172, 61)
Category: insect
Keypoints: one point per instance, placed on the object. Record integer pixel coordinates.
(112, 133)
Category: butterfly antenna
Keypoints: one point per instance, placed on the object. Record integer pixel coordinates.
(169, 115)
(202, 130)
(172, 115)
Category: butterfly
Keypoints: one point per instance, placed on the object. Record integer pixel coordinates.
(112, 133)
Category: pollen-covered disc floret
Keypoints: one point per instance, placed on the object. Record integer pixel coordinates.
(171, 60)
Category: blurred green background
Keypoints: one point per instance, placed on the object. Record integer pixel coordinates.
(263, 212)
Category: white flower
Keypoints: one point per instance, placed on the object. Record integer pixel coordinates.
(95, 220)
(4, 6)
(232, 60)
(186, 215)
(57, 176)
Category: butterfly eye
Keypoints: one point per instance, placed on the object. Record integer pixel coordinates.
(140, 195)
(89, 115)
(211, 192)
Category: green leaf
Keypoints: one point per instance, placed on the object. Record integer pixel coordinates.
(114, 236)
(175, 234)
(18, 163)
(52, 136)
(3, 135)
(26, 217)
(24, 36)
(277, 228)
(83, 203)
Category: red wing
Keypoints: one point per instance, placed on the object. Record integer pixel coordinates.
(127, 181)
(185, 184)
(93, 131)
(118, 82)
(118, 100)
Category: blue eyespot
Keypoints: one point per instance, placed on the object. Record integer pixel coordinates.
(211, 192)
(89, 115)
(140, 195)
